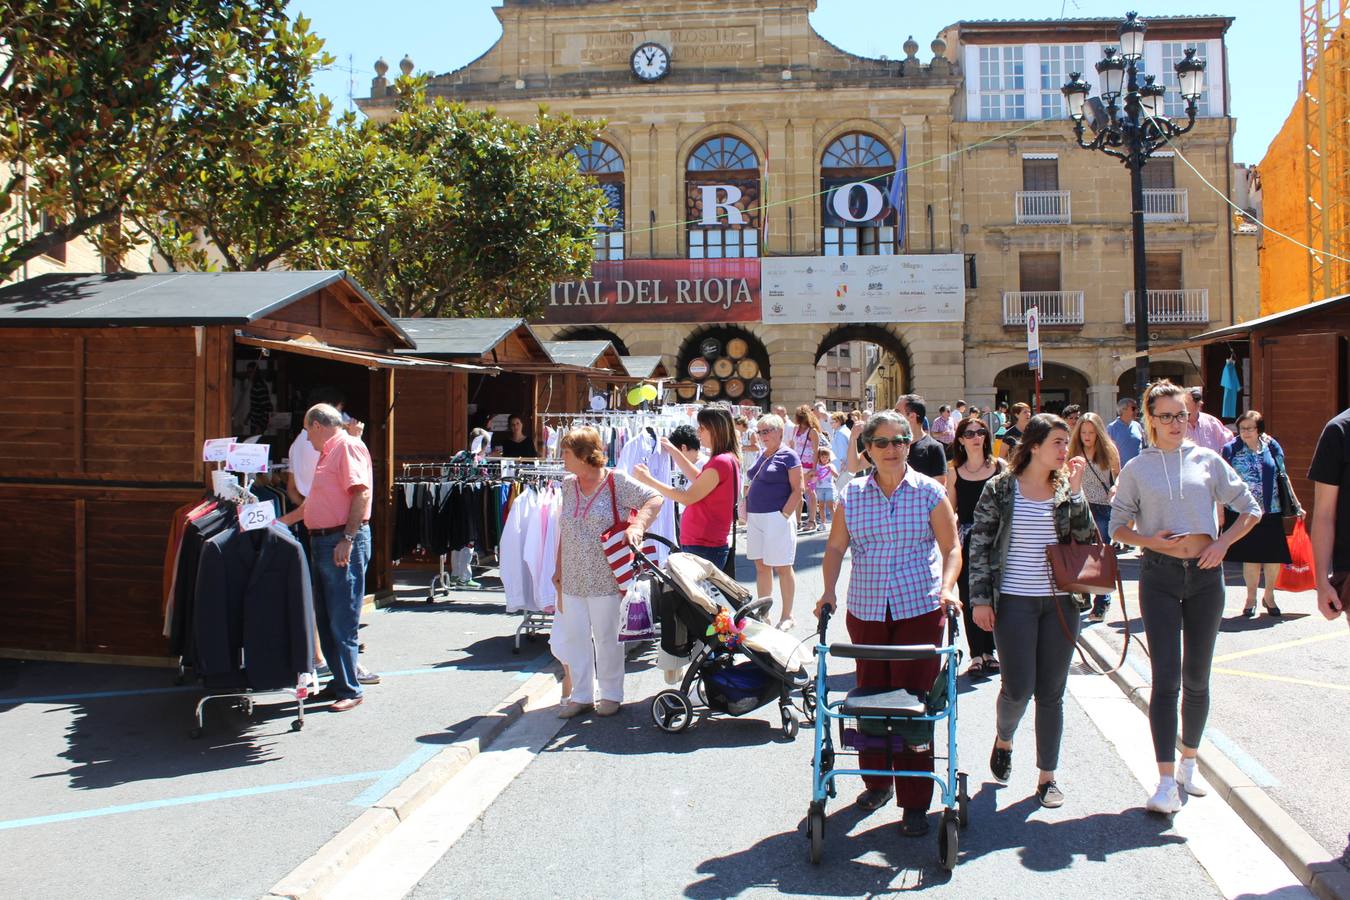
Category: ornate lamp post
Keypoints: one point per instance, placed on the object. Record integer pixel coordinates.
(1127, 123)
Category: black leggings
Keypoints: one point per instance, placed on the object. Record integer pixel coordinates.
(1182, 605)
(980, 642)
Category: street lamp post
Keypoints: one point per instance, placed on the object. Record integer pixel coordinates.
(1127, 123)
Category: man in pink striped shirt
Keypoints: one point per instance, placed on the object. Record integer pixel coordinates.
(1202, 429)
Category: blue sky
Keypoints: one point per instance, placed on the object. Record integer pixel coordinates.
(441, 35)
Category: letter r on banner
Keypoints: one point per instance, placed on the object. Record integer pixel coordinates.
(711, 205)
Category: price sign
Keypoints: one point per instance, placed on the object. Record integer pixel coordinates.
(499, 422)
(214, 449)
(247, 457)
(508, 468)
(223, 483)
(253, 516)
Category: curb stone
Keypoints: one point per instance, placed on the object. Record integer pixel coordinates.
(1297, 849)
(313, 877)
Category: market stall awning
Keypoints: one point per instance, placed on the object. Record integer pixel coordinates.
(304, 346)
(1242, 330)
(649, 367)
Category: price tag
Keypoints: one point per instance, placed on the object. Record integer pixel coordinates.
(223, 483)
(214, 449)
(253, 516)
(500, 422)
(508, 468)
(247, 457)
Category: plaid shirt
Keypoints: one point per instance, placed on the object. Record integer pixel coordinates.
(896, 563)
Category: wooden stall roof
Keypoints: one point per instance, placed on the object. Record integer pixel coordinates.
(309, 346)
(648, 367)
(178, 298)
(1243, 330)
(590, 354)
(486, 340)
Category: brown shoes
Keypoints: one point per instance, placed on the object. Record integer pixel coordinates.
(572, 710)
(345, 704)
(606, 708)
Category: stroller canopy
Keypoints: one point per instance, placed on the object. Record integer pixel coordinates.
(690, 572)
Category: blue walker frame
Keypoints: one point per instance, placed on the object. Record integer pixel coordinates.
(955, 800)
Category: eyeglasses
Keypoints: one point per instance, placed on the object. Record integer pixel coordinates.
(1169, 418)
(882, 443)
(765, 430)
(973, 433)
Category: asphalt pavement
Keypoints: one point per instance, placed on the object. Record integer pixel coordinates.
(1280, 701)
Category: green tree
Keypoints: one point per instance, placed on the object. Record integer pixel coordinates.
(490, 212)
(108, 108)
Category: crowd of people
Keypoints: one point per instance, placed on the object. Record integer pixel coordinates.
(957, 513)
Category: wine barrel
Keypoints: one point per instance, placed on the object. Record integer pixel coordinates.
(734, 388)
(712, 389)
(737, 348)
(747, 369)
(698, 368)
(759, 389)
(724, 368)
(710, 347)
(686, 392)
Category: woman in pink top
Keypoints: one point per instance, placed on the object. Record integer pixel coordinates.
(710, 500)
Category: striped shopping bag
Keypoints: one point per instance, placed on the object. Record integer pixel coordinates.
(614, 541)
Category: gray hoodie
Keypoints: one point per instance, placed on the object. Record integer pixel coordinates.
(1177, 490)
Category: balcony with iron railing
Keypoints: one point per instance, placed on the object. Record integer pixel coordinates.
(1166, 205)
(1042, 208)
(1056, 307)
(1183, 307)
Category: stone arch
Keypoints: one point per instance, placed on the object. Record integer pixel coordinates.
(594, 333)
(1178, 371)
(848, 126)
(892, 384)
(1060, 385)
(724, 386)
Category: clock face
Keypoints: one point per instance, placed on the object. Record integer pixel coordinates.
(651, 62)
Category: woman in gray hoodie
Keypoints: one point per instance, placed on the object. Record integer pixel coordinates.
(1165, 503)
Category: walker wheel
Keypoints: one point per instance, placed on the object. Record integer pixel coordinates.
(297, 724)
(815, 831)
(790, 724)
(949, 840)
(672, 712)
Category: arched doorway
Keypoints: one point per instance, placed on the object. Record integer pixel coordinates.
(728, 362)
(1060, 386)
(1179, 373)
(594, 333)
(860, 366)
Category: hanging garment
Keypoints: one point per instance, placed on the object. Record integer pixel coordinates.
(516, 583)
(645, 449)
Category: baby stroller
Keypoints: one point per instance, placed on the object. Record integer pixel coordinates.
(872, 719)
(736, 662)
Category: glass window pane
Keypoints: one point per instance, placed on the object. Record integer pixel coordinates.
(695, 252)
(751, 236)
(714, 253)
(696, 238)
(751, 251)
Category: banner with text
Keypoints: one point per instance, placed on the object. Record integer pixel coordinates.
(659, 291)
(843, 289)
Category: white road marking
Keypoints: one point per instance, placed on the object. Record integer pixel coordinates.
(407, 853)
(1234, 856)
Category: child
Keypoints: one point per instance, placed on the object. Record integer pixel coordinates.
(823, 482)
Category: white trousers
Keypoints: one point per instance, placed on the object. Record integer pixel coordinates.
(586, 640)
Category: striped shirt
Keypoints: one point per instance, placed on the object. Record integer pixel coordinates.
(1026, 572)
(896, 564)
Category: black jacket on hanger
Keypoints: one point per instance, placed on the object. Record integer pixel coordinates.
(254, 611)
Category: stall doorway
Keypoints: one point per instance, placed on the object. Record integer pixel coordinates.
(861, 367)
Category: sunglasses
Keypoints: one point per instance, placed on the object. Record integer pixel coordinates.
(972, 433)
(882, 443)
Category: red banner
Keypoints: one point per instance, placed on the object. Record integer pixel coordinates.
(659, 291)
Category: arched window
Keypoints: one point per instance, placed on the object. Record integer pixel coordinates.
(856, 215)
(722, 200)
(603, 163)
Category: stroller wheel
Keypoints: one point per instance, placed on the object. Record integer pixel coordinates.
(790, 725)
(672, 712)
(949, 839)
(815, 831)
(700, 692)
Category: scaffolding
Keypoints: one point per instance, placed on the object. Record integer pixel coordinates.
(1326, 112)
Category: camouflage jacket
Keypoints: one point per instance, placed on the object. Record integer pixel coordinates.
(991, 533)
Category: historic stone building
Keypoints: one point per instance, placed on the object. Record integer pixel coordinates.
(737, 138)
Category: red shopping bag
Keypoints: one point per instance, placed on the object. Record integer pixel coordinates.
(1298, 574)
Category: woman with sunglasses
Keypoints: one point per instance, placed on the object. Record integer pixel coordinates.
(901, 530)
(1165, 503)
(975, 464)
(1039, 501)
(772, 505)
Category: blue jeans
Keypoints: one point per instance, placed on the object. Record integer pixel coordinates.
(715, 555)
(1101, 514)
(338, 595)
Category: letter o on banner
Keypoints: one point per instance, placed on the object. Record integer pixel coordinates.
(876, 201)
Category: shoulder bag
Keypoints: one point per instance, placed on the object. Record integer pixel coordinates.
(614, 541)
(1289, 510)
(1088, 569)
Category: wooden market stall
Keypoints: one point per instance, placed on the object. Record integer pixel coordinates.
(595, 367)
(113, 383)
(1294, 367)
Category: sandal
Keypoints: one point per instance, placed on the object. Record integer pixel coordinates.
(976, 668)
(991, 664)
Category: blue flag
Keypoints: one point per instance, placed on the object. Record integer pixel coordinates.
(899, 195)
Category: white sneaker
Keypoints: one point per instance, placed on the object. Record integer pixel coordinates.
(1190, 780)
(1165, 799)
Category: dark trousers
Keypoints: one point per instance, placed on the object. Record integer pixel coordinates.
(1182, 605)
(980, 642)
(913, 675)
(1035, 649)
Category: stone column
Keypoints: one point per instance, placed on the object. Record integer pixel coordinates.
(983, 397)
(1102, 400)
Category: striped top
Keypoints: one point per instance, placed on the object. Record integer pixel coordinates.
(1026, 572)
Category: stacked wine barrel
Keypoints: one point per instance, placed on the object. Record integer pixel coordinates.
(725, 372)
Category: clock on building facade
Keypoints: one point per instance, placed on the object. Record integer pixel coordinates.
(651, 62)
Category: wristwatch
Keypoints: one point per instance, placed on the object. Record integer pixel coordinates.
(349, 538)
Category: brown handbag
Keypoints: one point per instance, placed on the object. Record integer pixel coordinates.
(1083, 568)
